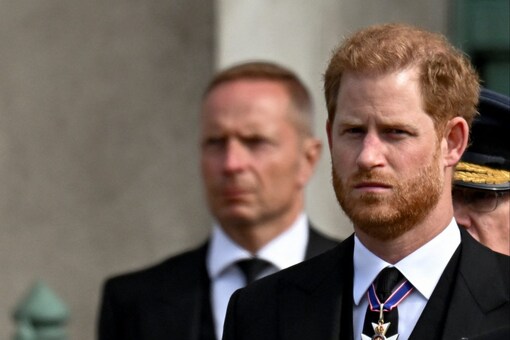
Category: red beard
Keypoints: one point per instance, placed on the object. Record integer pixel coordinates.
(386, 217)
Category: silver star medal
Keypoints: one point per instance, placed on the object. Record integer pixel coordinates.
(380, 329)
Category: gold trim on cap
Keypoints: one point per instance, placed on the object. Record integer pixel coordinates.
(474, 173)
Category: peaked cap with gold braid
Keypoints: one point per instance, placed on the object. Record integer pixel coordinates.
(486, 163)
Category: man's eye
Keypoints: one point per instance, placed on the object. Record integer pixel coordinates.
(353, 131)
(480, 196)
(396, 131)
(214, 142)
(255, 141)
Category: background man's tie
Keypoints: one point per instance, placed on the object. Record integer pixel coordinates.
(251, 268)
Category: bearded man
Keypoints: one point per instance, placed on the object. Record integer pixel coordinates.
(400, 103)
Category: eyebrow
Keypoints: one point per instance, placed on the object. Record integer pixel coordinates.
(385, 123)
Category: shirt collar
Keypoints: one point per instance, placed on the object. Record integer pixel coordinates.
(285, 250)
(422, 268)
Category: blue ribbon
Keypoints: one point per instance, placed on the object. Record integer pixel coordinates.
(393, 300)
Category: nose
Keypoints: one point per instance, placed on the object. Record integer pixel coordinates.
(371, 154)
(235, 158)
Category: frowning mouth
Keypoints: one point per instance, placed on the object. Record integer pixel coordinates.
(372, 186)
(234, 193)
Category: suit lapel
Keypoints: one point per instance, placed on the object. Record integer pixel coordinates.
(193, 287)
(311, 305)
(317, 243)
(470, 287)
(479, 289)
(431, 322)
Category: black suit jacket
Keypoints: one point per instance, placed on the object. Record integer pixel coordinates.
(166, 301)
(313, 300)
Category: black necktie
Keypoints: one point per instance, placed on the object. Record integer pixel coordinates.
(251, 268)
(385, 283)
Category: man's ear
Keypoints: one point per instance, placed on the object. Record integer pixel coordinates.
(328, 132)
(455, 140)
(312, 148)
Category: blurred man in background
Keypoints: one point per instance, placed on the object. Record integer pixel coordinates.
(481, 192)
(257, 154)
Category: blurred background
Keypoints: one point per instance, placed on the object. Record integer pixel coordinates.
(99, 104)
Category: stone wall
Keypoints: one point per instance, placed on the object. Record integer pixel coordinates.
(99, 105)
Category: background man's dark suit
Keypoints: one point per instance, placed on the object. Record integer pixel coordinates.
(167, 301)
(308, 301)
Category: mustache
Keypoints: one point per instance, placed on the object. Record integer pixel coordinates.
(372, 176)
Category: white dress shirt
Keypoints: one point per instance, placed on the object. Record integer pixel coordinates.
(287, 249)
(422, 268)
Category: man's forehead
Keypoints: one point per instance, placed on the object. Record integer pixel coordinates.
(387, 94)
(352, 81)
(243, 123)
(249, 84)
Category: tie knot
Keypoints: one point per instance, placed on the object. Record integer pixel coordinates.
(386, 281)
(251, 268)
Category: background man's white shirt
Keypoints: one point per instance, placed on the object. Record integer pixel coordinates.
(287, 249)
